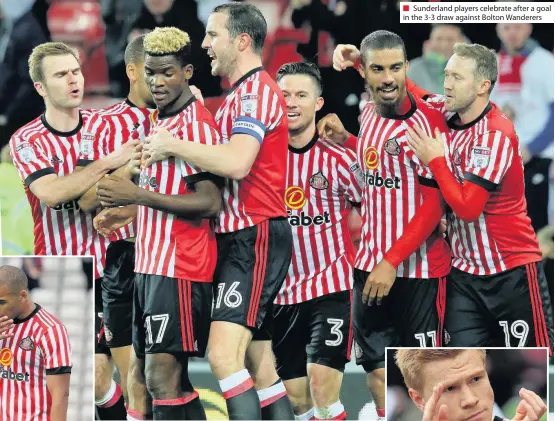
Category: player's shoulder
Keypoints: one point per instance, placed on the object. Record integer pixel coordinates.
(429, 108)
(257, 83)
(45, 322)
(340, 153)
(29, 132)
(496, 121)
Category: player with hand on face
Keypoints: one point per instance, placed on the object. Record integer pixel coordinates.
(453, 385)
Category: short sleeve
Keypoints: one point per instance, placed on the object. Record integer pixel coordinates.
(94, 138)
(257, 110)
(350, 176)
(30, 159)
(205, 134)
(490, 158)
(56, 350)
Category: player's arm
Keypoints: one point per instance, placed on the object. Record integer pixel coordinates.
(89, 200)
(204, 202)
(58, 387)
(482, 174)
(230, 160)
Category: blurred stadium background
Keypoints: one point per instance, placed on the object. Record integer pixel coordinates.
(297, 30)
(61, 285)
(508, 371)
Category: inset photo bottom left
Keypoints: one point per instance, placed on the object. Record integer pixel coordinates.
(46, 338)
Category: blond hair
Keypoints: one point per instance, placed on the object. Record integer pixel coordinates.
(46, 50)
(485, 59)
(410, 362)
(164, 41)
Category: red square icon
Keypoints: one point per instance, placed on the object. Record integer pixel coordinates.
(406, 8)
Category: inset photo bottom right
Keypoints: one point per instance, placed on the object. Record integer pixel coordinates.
(467, 384)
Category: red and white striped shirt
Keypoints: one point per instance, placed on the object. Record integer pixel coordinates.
(108, 130)
(486, 152)
(255, 106)
(322, 180)
(38, 348)
(37, 150)
(393, 176)
(166, 244)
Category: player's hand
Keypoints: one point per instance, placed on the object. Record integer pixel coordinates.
(431, 412)
(379, 283)
(158, 147)
(344, 56)
(330, 127)
(111, 219)
(134, 164)
(197, 93)
(121, 156)
(426, 148)
(116, 191)
(5, 325)
(530, 408)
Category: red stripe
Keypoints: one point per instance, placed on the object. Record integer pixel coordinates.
(544, 335)
(175, 402)
(440, 307)
(240, 388)
(272, 399)
(261, 252)
(189, 307)
(350, 338)
(531, 291)
(182, 313)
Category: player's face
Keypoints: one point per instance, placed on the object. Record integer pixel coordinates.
(467, 390)
(144, 90)
(459, 86)
(385, 72)
(10, 303)
(63, 84)
(166, 79)
(301, 97)
(220, 46)
(514, 35)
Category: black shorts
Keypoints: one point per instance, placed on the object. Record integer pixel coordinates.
(316, 331)
(117, 293)
(170, 316)
(408, 316)
(511, 308)
(252, 265)
(99, 340)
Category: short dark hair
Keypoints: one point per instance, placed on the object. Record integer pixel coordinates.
(381, 40)
(14, 278)
(135, 51)
(169, 41)
(245, 18)
(302, 68)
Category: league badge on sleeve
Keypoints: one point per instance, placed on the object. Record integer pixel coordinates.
(480, 157)
(86, 143)
(249, 103)
(26, 153)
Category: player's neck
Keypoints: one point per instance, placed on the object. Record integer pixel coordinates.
(473, 111)
(243, 66)
(27, 309)
(62, 119)
(301, 139)
(135, 99)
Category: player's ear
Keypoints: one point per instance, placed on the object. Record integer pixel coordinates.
(23, 295)
(360, 70)
(131, 71)
(319, 103)
(417, 399)
(40, 89)
(188, 71)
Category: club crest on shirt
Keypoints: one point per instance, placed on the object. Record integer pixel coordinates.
(318, 181)
(26, 152)
(457, 158)
(249, 103)
(392, 147)
(480, 157)
(26, 344)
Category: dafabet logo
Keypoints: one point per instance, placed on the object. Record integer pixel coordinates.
(6, 359)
